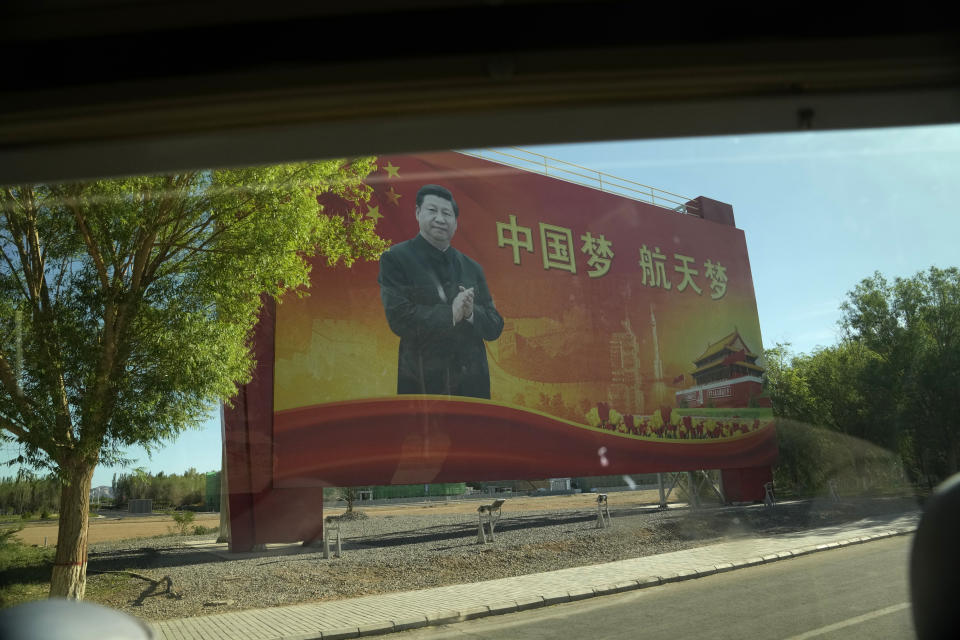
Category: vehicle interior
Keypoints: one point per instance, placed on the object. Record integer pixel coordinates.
(109, 88)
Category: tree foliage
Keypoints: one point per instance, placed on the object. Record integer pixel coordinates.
(133, 300)
(126, 306)
(893, 379)
(29, 493)
(913, 327)
(166, 490)
(834, 387)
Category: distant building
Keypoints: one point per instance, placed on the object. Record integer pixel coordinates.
(101, 492)
(726, 375)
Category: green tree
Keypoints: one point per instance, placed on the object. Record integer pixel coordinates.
(139, 484)
(846, 393)
(349, 495)
(913, 325)
(127, 307)
(788, 390)
(182, 520)
(892, 380)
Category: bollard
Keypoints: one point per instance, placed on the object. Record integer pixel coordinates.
(603, 512)
(481, 533)
(769, 500)
(487, 511)
(692, 491)
(326, 540)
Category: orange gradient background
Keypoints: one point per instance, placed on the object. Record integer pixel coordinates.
(554, 355)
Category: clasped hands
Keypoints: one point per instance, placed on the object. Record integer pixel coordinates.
(463, 305)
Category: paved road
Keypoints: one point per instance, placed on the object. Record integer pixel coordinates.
(853, 592)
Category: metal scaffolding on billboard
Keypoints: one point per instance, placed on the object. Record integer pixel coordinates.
(538, 163)
(690, 482)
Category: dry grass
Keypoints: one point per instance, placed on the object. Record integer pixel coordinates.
(574, 502)
(107, 529)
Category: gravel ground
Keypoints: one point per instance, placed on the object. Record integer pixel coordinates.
(405, 552)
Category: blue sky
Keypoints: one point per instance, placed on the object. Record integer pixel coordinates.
(820, 210)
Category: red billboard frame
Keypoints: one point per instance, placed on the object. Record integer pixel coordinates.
(413, 439)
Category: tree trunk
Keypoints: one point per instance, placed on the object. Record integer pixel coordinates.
(69, 579)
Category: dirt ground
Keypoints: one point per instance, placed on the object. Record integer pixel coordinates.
(114, 528)
(121, 528)
(417, 547)
(577, 502)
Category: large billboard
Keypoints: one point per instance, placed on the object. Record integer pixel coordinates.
(520, 326)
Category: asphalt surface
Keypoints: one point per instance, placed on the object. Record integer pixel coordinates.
(852, 592)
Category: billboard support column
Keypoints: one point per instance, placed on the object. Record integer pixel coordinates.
(663, 496)
(746, 484)
(240, 503)
(716, 486)
(692, 491)
(261, 512)
(224, 533)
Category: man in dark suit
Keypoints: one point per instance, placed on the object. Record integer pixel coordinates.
(436, 299)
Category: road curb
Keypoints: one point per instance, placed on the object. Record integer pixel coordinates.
(572, 594)
(691, 574)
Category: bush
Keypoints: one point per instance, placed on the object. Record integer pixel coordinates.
(7, 533)
(350, 515)
(26, 515)
(45, 515)
(182, 521)
(811, 457)
(200, 530)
